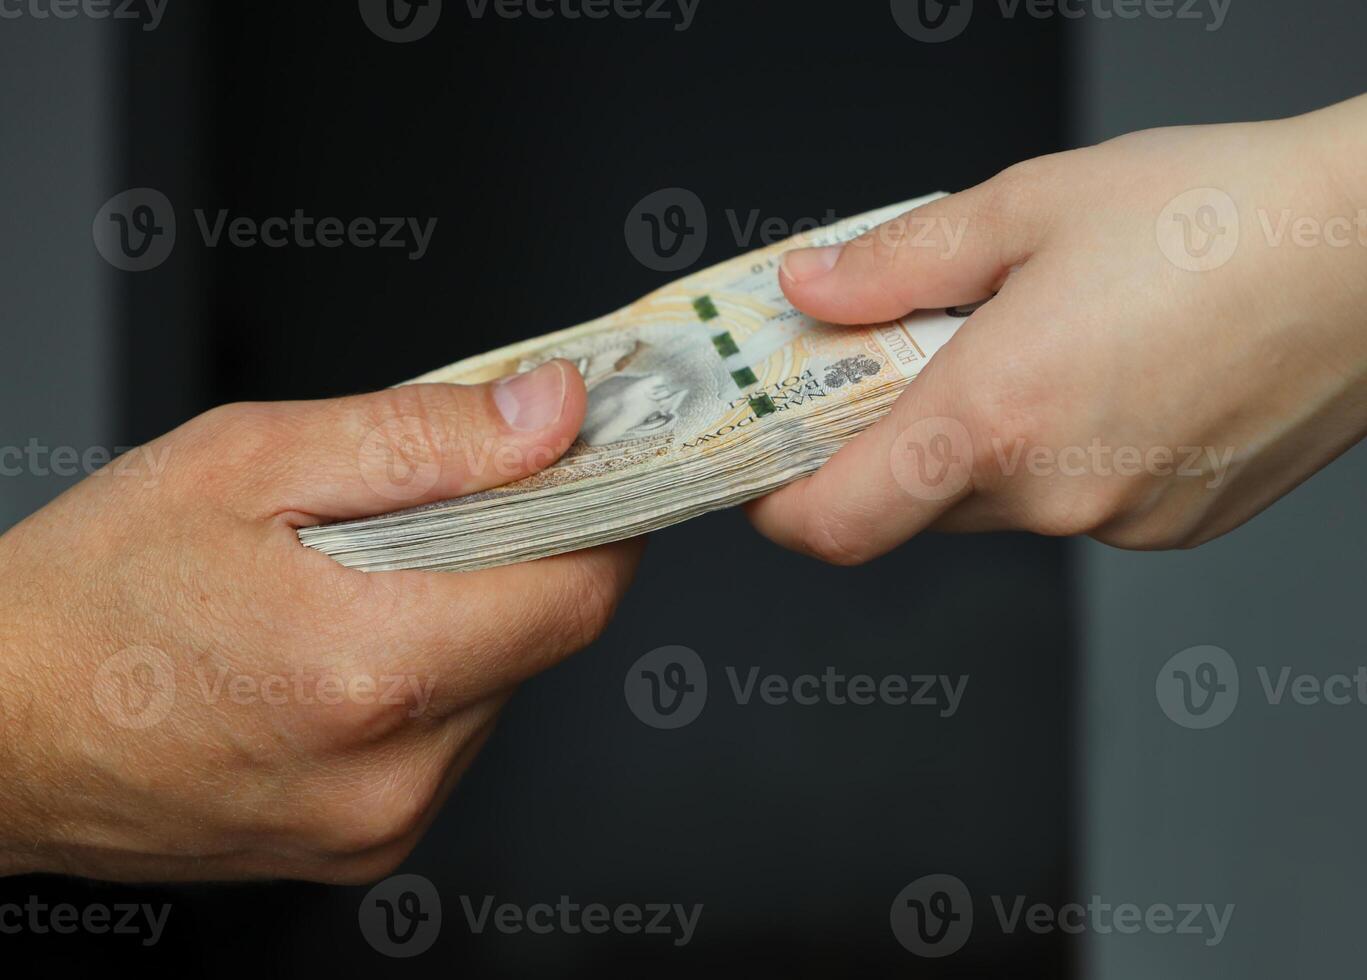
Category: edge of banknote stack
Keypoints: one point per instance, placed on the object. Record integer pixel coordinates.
(786, 394)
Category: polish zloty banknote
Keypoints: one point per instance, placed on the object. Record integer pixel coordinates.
(706, 393)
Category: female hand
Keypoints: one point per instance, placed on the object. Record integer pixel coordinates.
(1178, 337)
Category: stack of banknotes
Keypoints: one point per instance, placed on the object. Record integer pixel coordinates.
(705, 394)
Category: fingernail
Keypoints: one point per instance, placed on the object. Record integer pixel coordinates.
(811, 263)
(534, 400)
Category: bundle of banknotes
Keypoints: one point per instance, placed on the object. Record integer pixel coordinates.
(707, 393)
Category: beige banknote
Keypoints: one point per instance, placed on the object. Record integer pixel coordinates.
(708, 392)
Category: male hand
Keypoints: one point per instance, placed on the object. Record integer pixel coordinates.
(186, 692)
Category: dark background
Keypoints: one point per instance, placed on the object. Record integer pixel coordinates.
(531, 142)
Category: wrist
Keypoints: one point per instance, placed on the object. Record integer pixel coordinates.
(21, 839)
(1338, 135)
(18, 863)
(1315, 188)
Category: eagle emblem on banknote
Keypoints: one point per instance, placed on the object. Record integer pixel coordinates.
(851, 371)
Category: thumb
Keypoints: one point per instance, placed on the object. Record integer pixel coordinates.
(890, 482)
(956, 250)
(416, 444)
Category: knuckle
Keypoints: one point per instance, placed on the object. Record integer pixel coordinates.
(243, 431)
(886, 253)
(1021, 182)
(1153, 531)
(385, 816)
(1002, 434)
(1010, 198)
(231, 448)
(886, 244)
(220, 419)
(1001, 198)
(359, 715)
(1069, 514)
